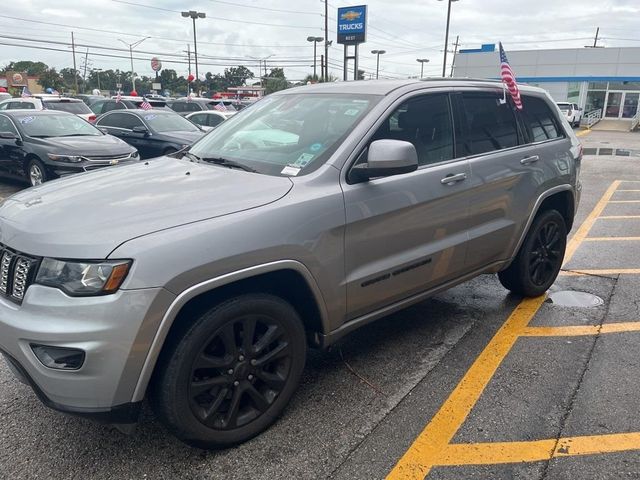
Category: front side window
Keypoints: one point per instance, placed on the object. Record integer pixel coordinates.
(199, 119)
(425, 122)
(487, 124)
(55, 125)
(6, 125)
(120, 120)
(539, 120)
(214, 120)
(162, 122)
(290, 134)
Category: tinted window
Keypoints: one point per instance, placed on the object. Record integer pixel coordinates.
(3, 106)
(71, 107)
(108, 106)
(214, 120)
(487, 124)
(539, 120)
(178, 107)
(426, 122)
(199, 119)
(6, 125)
(564, 106)
(21, 105)
(169, 122)
(120, 120)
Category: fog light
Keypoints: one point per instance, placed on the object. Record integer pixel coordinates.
(60, 358)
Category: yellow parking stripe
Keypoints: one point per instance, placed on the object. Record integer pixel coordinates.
(627, 190)
(612, 239)
(601, 272)
(624, 201)
(425, 451)
(582, 232)
(539, 450)
(582, 133)
(619, 217)
(578, 330)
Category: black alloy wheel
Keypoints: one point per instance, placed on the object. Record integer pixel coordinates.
(231, 372)
(540, 257)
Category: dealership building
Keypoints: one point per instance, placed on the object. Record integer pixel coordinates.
(605, 79)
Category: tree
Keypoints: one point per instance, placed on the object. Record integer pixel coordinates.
(69, 77)
(50, 78)
(237, 76)
(32, 68)
(275, 81)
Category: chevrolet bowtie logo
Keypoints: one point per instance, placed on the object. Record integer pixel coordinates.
(350, 15)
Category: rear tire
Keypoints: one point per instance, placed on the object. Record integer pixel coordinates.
(36, 172)
(231, 373)
(540, 257)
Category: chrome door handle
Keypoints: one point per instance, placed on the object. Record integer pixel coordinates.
(453, 179)
(530, 160)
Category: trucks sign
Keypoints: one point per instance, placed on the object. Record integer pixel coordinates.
(352, 25)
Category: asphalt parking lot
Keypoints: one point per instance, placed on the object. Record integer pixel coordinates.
(474, 383)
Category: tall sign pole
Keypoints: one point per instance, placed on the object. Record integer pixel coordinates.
(75, 72)
(352, 30)
(325, 73)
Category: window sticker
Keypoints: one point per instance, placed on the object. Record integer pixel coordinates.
(316, 147)
(290, 170)
(150, 117)
(25, 120)
(303, 160)
(352, 112)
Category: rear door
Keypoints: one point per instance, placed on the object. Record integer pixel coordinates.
(11, 154)
(407, 233)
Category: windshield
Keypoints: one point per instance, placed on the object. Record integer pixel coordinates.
(78, 108)
(286, 135)
(169, 122)
(57, 125)
(564, 106)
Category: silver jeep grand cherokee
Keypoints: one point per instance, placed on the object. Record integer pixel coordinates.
(199, 281)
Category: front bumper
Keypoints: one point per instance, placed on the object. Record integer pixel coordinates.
(115, 331)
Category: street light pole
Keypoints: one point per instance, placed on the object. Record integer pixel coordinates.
(131, 47)
(446, 37)
(98, 70)
(194, 15)
(422, 62)
(315, 41)
(378, 53)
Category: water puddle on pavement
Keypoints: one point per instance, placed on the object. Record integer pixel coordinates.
(569, 298)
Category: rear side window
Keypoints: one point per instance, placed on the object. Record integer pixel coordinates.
(539, 121)
(78, 108)
(486, 125)
(178, 107)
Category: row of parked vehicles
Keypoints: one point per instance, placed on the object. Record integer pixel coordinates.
(49, 136)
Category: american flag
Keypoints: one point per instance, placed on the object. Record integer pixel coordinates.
(118, 97)
(145, 105)
(25, 92)
(221, 107)
(509, 78)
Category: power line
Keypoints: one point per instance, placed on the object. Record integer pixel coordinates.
(264, 8)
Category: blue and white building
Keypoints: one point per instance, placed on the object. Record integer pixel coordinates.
(606, 79)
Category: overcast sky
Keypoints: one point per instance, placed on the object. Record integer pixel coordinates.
(235, 31)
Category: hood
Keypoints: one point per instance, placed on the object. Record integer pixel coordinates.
(94, 145)
(183, 137)
(88, 215)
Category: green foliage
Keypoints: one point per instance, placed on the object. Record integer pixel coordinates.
(32, 68)
(51, 78)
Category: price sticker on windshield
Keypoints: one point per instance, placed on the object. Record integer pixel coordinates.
(303, 160)
(150, 117)
(25, 120)
(290, 170)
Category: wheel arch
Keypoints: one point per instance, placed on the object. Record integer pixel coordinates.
(288, 279)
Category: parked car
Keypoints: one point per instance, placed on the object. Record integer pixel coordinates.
(571, 112)
(197, 104)
(152, 132)
(209, 119)
(50, 102)
(125, 103)
(89, 99)
(5, 96)
(200, 281)
(43, 144)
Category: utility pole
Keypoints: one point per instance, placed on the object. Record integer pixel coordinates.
(595, 40)
(455, 52)
(86, 61)
(325, 72)
(189, 57)
(75, 72)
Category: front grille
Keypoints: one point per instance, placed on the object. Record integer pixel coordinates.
(17, 272)
(106, 158)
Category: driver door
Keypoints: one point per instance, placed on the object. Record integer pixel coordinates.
(11, 154)
(408, 233)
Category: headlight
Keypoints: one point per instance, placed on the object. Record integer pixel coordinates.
(135, 154)
(83, 278)
(65, 158)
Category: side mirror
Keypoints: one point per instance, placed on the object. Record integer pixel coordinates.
(141, 129)
(386, 158)
(8, 136)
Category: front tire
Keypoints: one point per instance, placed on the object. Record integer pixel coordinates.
(540, 257)
(36, 172)
(229, 376)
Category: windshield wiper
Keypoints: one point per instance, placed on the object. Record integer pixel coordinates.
(191, 156)
(229, 163)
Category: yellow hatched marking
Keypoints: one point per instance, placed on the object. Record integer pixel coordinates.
(538, 450)
(578, 330)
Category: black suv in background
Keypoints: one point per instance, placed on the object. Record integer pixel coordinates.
(184, 105)
(125, 103)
